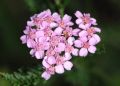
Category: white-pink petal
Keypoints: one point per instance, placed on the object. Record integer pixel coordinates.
(79, 21)
(69, 23)
(39, 34)
(58, 31)
(84, 39)
(30, 43)
(61, 47)
(82, 26)
(23, 39)
(92, 49)
(56, 17)
(39, 54)
(78, 43)
(45, 63)
(66, 18)
(92, 41)
(93, 20)
(83, 52)
(71, 40)
(83, 33)
(97, 38)
(30, 23)
(97, 29)
(48, 12)
(75, 52)
(68, 65)
(51, 60)
(75, 32)
(59, 69)
(32, 52)
(45, 75)
(53, 25)
(67, 56)
(44, 24)
(78, 14)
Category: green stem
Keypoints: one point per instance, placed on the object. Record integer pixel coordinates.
(60, 7)
(1, 74)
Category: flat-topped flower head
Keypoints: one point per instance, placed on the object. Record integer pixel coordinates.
(52, 39)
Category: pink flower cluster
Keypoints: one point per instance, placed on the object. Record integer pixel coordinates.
(53, 39)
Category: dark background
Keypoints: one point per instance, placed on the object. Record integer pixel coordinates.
(99, 70)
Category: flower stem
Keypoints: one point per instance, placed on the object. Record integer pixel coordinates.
(60, 7)
(1, 74)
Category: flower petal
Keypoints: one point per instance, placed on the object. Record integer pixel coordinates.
(78, 14)
(75, 52)
(44, 63)
(59, 69)
(83, 33)
(30, 23)
(97, 38)
(53, 25)
(93, 21)
(82, 26)
(92, 41)
(67, 56)
(32, 52)
(68, 65)
(23, 39)
(70, 40)
(66, 18)
(56, 17)
(84, 39)
(39, 34)
(61, 47)
(83, 52)
(78, 21)
(30, 43)
(75, 32)
(78, 43)
(58, 31)
(97, 29)
(45, 75)
(92, 49)
(51, 60)
(39, 54)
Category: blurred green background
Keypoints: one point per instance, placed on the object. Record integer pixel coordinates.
(97, 70)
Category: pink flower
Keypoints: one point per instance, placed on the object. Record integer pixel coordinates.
(62, 22)
(84, 20)
(29, 37)
(61, 64)
(85, 48)
(87, 40)
(90, 33)
(48, 72)
(70, 50)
